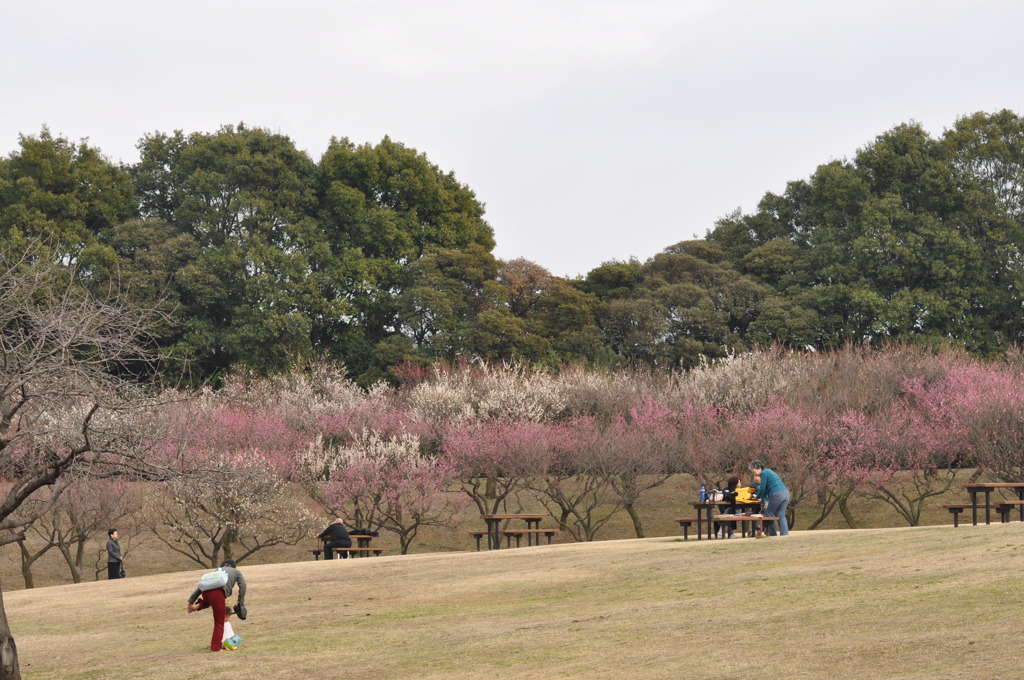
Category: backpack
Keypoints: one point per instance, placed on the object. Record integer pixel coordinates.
(213, 579)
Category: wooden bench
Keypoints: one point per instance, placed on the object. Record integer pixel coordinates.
(361, 552)
(686, 524)
(727, 530)
(721, 520)
(1004, 508)
(955, 510)
(519, 533)
(478, 535)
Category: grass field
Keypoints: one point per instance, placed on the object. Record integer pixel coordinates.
(930, 602)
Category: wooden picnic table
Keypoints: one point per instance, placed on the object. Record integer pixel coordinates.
(362, 540)
(362, 548)
(494, 526)
(988, 488)
(709, 507)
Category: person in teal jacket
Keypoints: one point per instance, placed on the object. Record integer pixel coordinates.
(774, 494)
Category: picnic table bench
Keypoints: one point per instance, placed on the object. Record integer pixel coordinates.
(1004, 508)
(360, 552)
(955, 510)
(686, 523)
(531, 535)
(744, 521)
(478, 535)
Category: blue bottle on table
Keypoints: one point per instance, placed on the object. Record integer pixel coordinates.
(703, 494)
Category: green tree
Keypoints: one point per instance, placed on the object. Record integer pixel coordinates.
(612, 280)
(63, 194)
(990, 147)
(241, 204)
(381, 207)
(635, 329)
(467, 303)
(155, 265)
(916, 244)
(446, 290)
(567, 317)
(902, 242)
(552, 321)
(690, 302)
(498, 334)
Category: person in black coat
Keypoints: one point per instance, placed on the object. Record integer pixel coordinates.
(115, 563)
(729, 494)
(335, 537)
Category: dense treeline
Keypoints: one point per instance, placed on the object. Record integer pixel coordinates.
(914, 239)
(372, 256)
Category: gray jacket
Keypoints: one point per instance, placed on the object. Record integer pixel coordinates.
(113, 550)
(234, 576)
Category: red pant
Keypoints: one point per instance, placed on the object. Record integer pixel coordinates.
(215, 600)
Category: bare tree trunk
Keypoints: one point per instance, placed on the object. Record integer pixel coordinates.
(26, 573)
(227, 546)
(80, 559)
(637, 526)
(76, 573)
(27, 560)
(847, 515)
(405, 540)
(826, 503)
(9, 669)
(563, 520)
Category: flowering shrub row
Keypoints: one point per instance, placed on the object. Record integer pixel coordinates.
(900, 426)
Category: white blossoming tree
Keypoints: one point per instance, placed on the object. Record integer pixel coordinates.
(64, 407)
(230, 497)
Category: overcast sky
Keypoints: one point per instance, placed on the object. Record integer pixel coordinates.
(592, 130)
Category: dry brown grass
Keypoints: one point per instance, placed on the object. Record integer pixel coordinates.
(933, 602)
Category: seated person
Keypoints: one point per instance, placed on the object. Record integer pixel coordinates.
(335, 537)
(736, 493)
(729, 493)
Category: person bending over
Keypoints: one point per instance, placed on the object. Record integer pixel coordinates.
(774, 494)
(216, 599)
